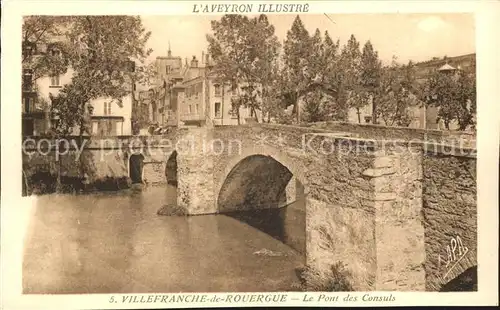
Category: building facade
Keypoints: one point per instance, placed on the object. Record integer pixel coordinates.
(190, 95)
(109, 117)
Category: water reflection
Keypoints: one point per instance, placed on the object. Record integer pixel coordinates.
(115, 243)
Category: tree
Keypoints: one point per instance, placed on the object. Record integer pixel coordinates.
(350, 70)
(320, 96)
(332, 79)
(38, 33)
(396, 94)
(296, 73)
(454, 95)
(244, 50)
(101, 50)
(370, 77)
(104, 56)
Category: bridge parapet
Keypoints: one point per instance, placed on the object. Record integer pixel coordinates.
(457, 138)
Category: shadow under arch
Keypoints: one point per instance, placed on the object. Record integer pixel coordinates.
(264, 193)
(464, 282)
(171, 169)
(135, 168)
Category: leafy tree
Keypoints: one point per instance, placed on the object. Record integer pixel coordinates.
(38, 34)
(296, 73)
(350, 70)
(454, 95)
(102, 52)
(271, 89)
(105, 50)
(332, 79)
(320, 97)
(370, 77)
(396, 94)
(243, 50)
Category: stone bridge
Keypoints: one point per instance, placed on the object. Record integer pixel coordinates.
(397, 207)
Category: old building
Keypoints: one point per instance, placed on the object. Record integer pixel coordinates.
(110, 117)
(205, 98)
(187, 94)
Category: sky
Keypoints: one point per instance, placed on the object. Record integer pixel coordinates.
(418, 37)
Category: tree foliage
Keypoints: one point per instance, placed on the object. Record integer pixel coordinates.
(396, 94)
(454, 95)
(102, 52)
(317, 77)
(297, 65)
(244, 51)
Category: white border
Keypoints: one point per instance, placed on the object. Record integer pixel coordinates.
(16, 210)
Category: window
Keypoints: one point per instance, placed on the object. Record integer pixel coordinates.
(190, 109)
(218, 91)
(27, 79)
(218, 112)
(107, 108)
(54, 81)
(168, 69)
(28, 107)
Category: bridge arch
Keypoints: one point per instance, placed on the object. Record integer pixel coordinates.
(257, 175)
(135, 168)
(466, 281)
(266, 190)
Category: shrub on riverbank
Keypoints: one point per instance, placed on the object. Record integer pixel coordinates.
(42, 183)
(335, 279)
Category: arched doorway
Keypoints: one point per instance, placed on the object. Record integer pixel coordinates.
(464, 282)
(136, 164)
(257, 191)
(171, 169)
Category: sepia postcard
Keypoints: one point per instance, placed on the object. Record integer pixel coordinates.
(178, 154)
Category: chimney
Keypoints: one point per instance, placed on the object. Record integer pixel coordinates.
(207, 59)
(202, 57)
(194, 62)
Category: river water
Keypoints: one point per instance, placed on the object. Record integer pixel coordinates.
(116, 243)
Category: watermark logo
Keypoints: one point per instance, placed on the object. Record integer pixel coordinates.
(314, 144)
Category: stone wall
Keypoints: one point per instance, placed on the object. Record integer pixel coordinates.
(339, 216)
(379, 132)
(399, 216)
(396, 177)
(450, 217)
(97, 160)
(195, 166)
(154, 172)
